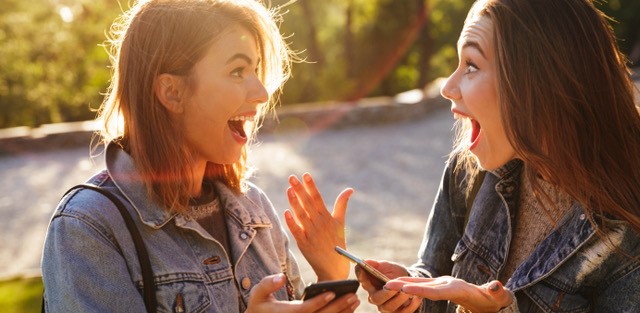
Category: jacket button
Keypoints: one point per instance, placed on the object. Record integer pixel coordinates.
(246, 283)
(244, 236)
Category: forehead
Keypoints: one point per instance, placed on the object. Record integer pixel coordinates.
(477, 33)
(234, 40)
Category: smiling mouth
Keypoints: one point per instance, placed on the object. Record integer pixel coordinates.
(237, 125)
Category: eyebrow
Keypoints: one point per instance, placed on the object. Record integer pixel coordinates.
(240, 56)
(473, 44)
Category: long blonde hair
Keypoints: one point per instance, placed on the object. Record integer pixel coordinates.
(567, 101)
(171, 36)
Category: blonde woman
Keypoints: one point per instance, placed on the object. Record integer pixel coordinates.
(191, 80)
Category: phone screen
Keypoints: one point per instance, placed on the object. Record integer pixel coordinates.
(371, 270)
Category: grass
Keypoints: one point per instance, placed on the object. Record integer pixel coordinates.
(21, 295)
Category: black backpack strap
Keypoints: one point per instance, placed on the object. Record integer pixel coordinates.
(148, 288)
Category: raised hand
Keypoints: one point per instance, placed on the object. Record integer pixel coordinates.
(490, 297)
(317, 231)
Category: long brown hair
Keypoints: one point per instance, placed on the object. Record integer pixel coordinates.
(171, 36)
(567, 101)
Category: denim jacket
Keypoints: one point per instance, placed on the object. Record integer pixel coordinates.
(90, 265)
(572, 270)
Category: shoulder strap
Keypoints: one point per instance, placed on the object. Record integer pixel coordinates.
(477, 182)
(148, 288)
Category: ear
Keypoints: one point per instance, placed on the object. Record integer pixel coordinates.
(168, 89)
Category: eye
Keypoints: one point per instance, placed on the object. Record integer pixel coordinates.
(237, 72)
(471, 67)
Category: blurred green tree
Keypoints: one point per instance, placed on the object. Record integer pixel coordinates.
(53, 66)
(55, 69)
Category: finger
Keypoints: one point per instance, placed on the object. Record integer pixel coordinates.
(268, 285)
(368, 282)
(500, 295)
(346, 303)
(296, 230)
(304, 198)
(340, 207)
(314, 194)
(395, 303)
(300, 212)
(412, 305)
(409, 279)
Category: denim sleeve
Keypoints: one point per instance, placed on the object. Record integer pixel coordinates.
(442, 233)
(443, 230)
(80, 265)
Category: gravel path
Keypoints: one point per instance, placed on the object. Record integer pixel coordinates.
(394, 168)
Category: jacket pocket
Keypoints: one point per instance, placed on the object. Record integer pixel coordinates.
(469, 266)
(554, 296)
(182, 297)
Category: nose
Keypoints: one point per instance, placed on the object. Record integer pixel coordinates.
(258, 92)
(450, 90)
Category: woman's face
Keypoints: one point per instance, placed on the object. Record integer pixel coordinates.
(473, 94)
(224, 98)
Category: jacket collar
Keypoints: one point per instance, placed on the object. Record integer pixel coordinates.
(572, 232)
(122, 170)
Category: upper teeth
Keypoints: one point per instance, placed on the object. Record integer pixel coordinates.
(242, 118)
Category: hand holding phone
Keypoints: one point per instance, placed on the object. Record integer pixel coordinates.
(339, 287)
(370, 269)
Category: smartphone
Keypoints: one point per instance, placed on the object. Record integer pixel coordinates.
(371, 270)
(339, 287)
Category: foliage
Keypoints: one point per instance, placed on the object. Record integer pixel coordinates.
(52, 70)
(21, 295)
(625, 15)
(55, 69)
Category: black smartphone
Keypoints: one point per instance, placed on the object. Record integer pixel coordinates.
(371, 270)
(339, 287)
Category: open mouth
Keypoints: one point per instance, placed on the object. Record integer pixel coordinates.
(237, 125)
(475, 132)
(475, 128)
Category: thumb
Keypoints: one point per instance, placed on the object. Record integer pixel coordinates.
(267, 286)
(340, 206)
(500, 295)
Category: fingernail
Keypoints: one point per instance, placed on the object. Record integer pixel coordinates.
(306, 177)
(330, 296)
(494, 287)
(278, 278)
(293, 180)
(352, 299)
(357, 270)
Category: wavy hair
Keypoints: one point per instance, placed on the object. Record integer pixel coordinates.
(171, 36)
(567, 101)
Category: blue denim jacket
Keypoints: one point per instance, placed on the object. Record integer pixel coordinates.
(90, 265)
(572, 270)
